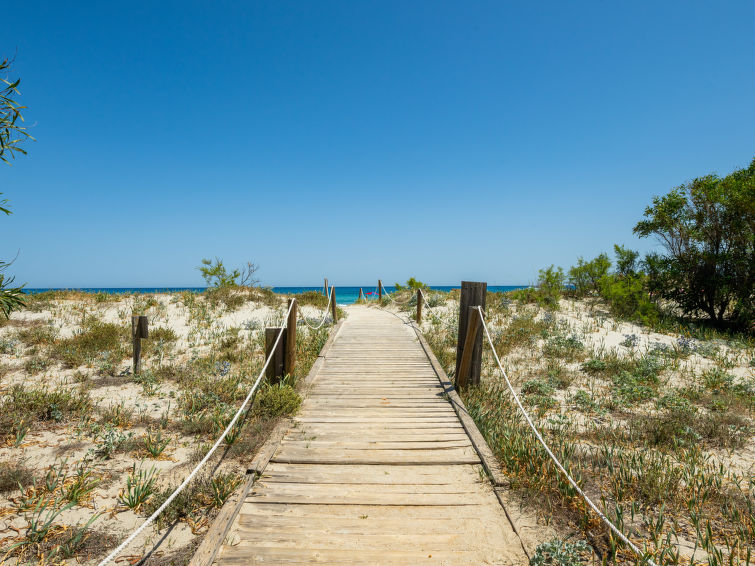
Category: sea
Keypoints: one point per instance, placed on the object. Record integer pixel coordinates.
(344, 295)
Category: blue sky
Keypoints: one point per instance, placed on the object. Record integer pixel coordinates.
(358, 140)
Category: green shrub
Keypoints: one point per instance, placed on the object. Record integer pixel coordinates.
(95, 340)
(313, 298)
(559, 553)
(277, 400)
(585, 277)
(628, 298)
(12, 474)
(567, 348)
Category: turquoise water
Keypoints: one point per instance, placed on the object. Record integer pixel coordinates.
(344, 295)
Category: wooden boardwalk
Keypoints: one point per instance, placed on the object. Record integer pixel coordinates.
(377, 468)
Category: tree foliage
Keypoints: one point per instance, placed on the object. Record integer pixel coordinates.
(12, 133)
(411, 283)
(707, 228)
(586, 275)
(216, 274)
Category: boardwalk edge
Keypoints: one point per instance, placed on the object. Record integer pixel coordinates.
(213, 540)
(489, 461)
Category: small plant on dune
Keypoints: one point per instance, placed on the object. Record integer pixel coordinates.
(14, 473)
(222, 488)
(155, 443)
(42, 519)
(118, 415)
(110, 441)
(84, 483)
(94, 339)
(277, 400)
(559, 553)
(140, 487)
(72, 545)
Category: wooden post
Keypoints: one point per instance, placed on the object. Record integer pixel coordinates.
(419, 306)
(139, 330)
(274, 370)
(472, 295)
(333, 308)
(290, 355)
(326, 287)
(361, 294)
(473, 331)
(380, 290)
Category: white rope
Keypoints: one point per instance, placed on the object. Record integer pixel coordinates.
(325, 314)
(193, 473)
(429, 308)
(394, 300)
(605, 519)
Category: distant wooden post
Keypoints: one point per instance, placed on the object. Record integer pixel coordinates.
(380, 290)
(290, 346)
(326, 287)
(333, 309)
(419, 306)
(472, 295)
(361, 294)
(139, 330)
(275, 369)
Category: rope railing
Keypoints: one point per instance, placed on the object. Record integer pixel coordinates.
(387, 294)
(325, 314)
(642, 555)
(429, 308)
(204, 460)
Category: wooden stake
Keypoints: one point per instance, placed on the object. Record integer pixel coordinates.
(361, 294)
(473, 330)
(333, 308)
(139, 330)
(274, 370)
(419, 306)
(290, 354)
(380, 290)
(326, 287)
(472, 294)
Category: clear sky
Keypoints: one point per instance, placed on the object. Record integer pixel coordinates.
(357, 140)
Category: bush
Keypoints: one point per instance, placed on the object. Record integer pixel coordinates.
(586, 275)
(313, 298)
(95, 339)
(707, 227)
(628, 298)
(550, 285)
(277, 400)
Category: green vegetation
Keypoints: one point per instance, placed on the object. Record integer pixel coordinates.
(707, 227)
(96, 340)
(12, 134)
(140, 487)
(411, 283)
(547, 292)
(277, 400)
(216, 274)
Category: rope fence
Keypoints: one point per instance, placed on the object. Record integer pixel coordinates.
(642, 555)
(204, 460)
(325, 314)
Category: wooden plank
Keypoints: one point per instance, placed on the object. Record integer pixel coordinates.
(489, 461)
(243, 556)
